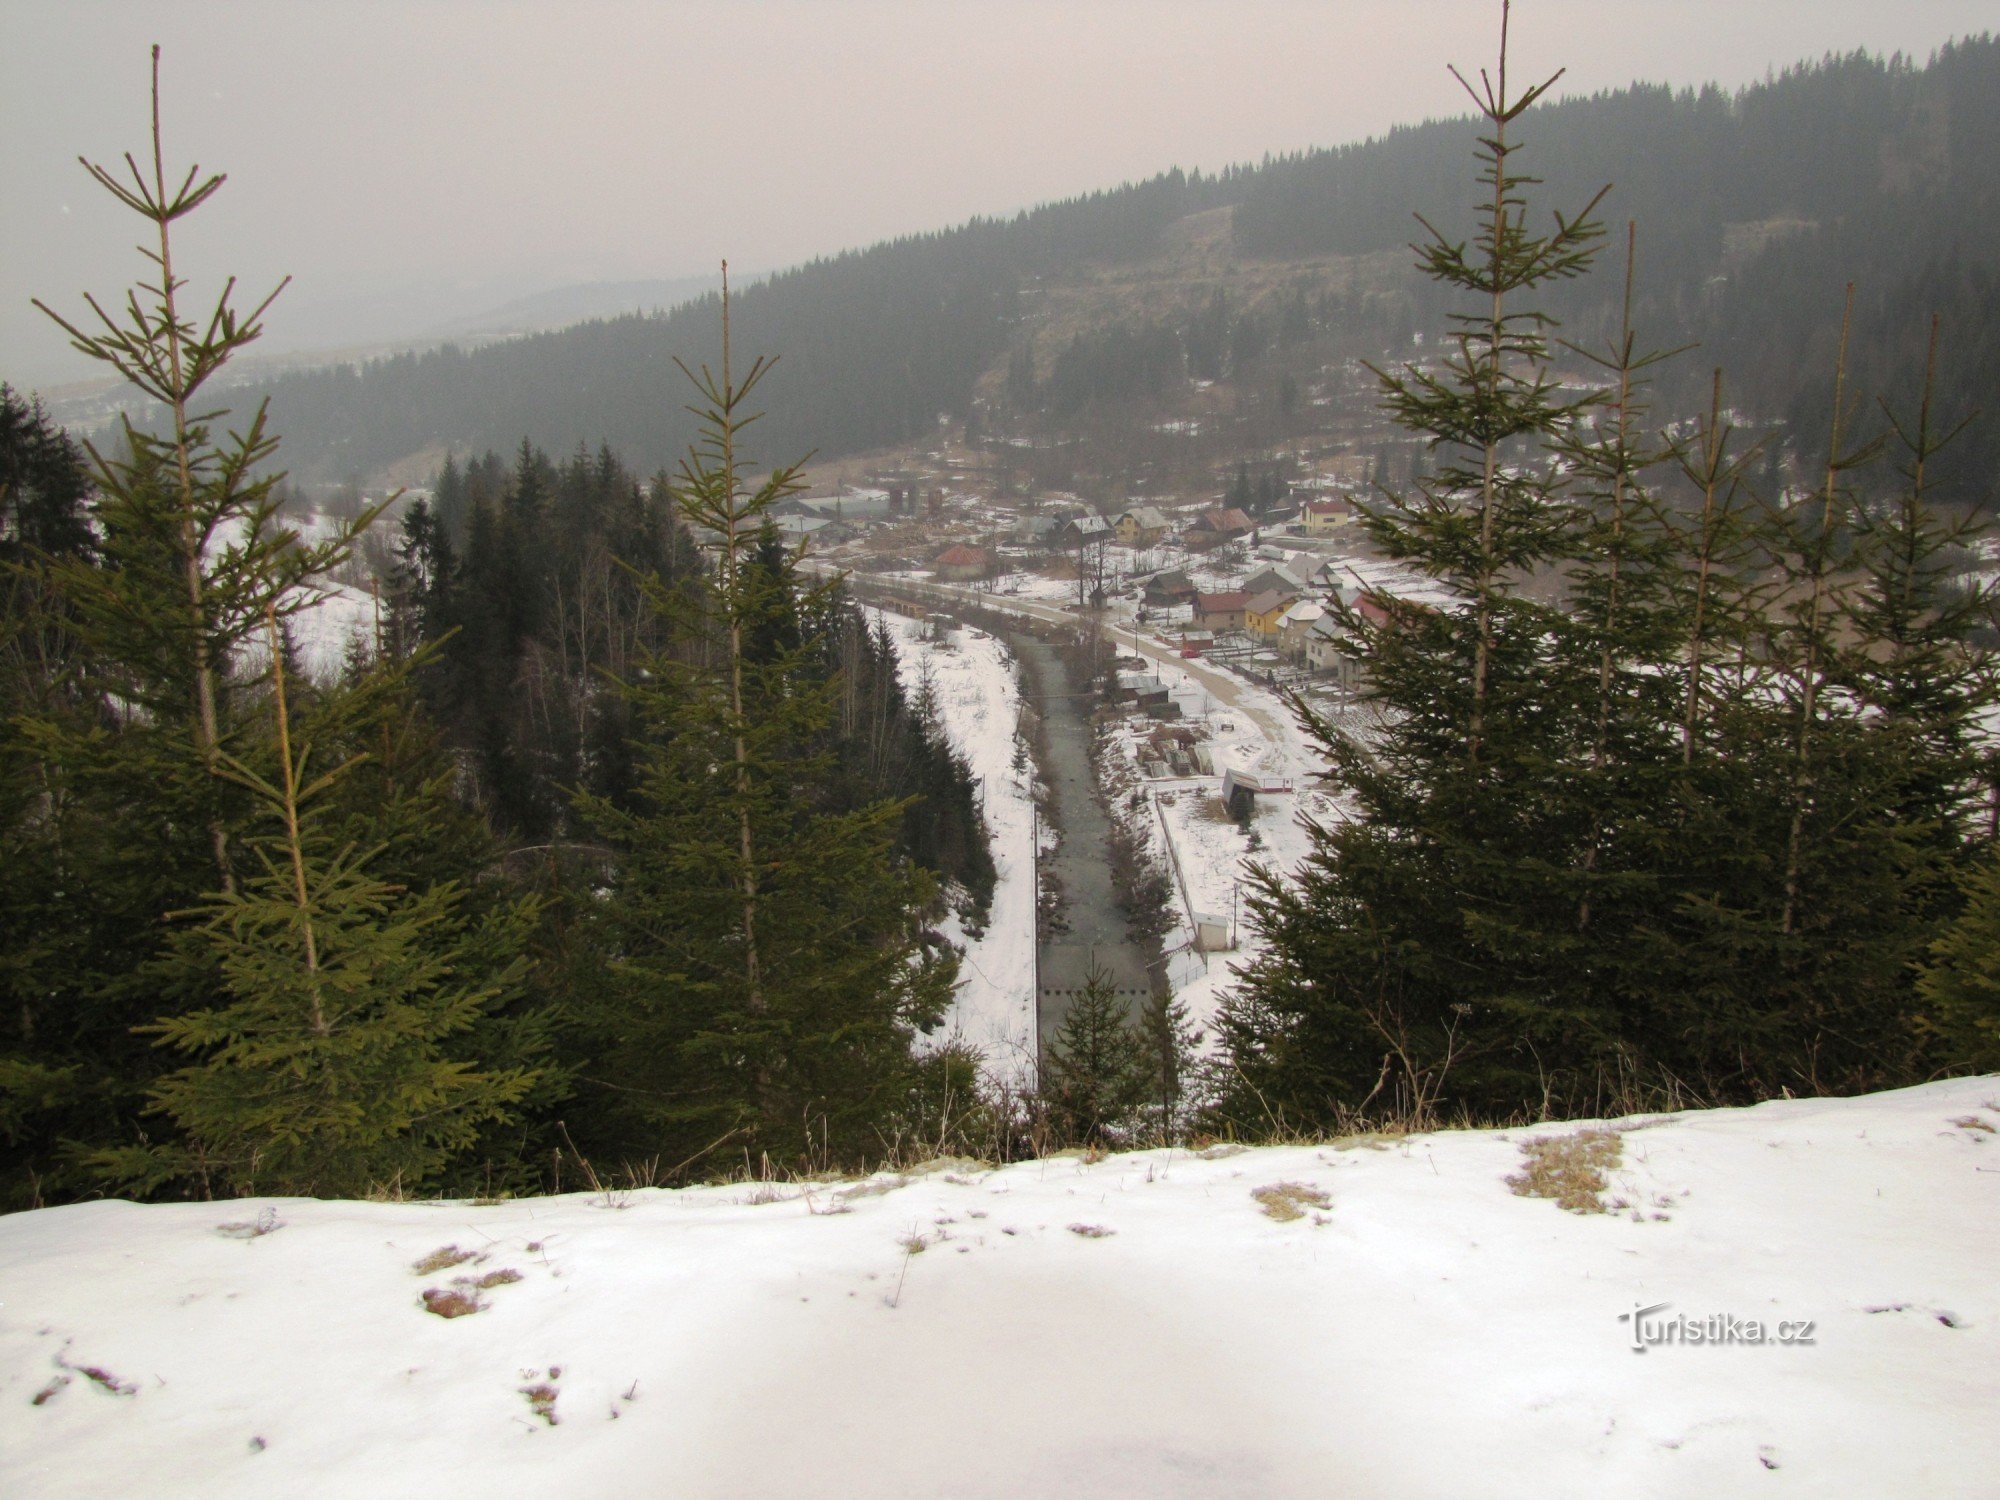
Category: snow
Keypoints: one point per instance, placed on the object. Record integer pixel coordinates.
(978, 699)
(1424, 1332)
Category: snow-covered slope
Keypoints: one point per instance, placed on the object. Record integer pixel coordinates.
(1134, 1326)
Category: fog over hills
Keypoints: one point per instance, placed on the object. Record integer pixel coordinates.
(1754, 211)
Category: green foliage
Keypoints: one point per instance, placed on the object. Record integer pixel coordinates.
(336, 1064)
(1094, 1072)
(1168, 1061)
(1681, 825)
(765, 962)
(1960, 984)
(137, 770)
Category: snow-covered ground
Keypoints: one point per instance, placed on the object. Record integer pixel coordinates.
(1137, 1326)
(979, 700)
(1209, 856)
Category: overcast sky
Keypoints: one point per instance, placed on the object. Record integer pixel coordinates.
(416, 161)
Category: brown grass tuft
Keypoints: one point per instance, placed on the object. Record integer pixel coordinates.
(442, 1259)
(1569, 1169)
(1092, 1231)
(1285, 1201)
(542, 1401)
(451, 1302)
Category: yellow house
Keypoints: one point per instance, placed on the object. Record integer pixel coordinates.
(1141, 527)
(1320, 517)
(1263, 613)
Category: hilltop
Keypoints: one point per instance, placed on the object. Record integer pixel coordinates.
(1369, 1317)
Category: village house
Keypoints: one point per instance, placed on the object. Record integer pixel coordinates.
(853, 505)
(1035, 531)
(1326, 651)
(1323, 517)
(1215, 526)
(1140, 527)
(1295, 626)
(1079, 531)
(1280, 576)
(1220, 611)
(963, 563)
(1165, 590)
(1262, 614)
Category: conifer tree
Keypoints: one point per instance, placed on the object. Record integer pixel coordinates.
(1960, 983)
(1913, 618)
(1169, 1042)
(335, 1062)
(765, 961)
(196, 555)
(1094, 1071)
(1415, 941)
(189, 556)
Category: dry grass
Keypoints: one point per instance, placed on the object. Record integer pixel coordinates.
(1285, 1201)
(442, 1259)
(1092, 1231)
(451, 1302)
(1973, 1122)
(105, 1379)
(542, 1400)
(266, 1222)
(505, 1276)
(1569, 1169)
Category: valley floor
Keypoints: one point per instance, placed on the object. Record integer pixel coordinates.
(1391, 1321)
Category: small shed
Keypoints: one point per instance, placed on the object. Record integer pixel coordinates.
(1241, 789)
(1165, 590)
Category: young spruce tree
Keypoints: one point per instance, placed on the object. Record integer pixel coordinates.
(1408, 952)
(766, 961)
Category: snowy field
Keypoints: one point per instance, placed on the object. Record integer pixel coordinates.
(1135, 1327)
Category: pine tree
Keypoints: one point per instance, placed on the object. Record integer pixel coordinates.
(1419, 942)
(1914, 618)
(336, 1062)
(1960, 983)
(172, 606)
(189, 555)
(1094, 1071)
(48, 1047)
(765, 962)
(1170, 1042)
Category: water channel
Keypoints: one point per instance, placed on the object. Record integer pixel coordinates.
(1090, 931)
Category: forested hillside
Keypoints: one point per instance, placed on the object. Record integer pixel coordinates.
(1754, 211)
